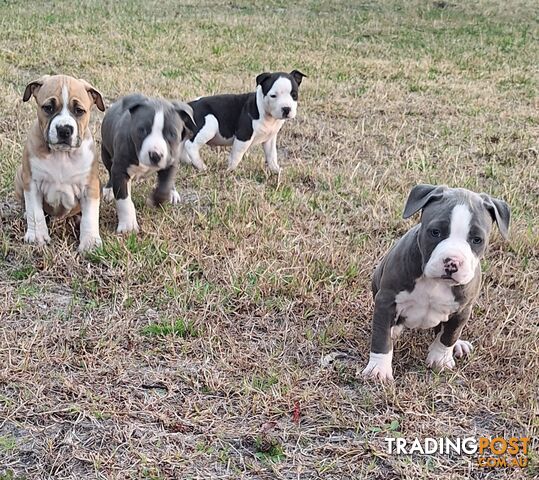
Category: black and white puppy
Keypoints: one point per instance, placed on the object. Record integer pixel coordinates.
(244, 120)
(431, 277)
(142, 135)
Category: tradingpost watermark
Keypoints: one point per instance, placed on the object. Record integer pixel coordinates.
(505, 452)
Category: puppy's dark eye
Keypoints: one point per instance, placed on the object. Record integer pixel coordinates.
(294, 95)
(48, 109)
(477, 240)
(436, 233)
(79, 111)
(273, 95)
(172, 135)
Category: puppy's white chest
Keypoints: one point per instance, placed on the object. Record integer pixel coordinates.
(428, 304)
(62, 176)
(264, 129)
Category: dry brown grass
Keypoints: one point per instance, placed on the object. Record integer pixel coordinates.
(260, 277)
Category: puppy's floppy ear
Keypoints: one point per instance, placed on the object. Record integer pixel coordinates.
(186, 114)
(260, 79)
(499, 211)
(298, 76)
(133, 101)
(95, 94)
(421, 195)
(33, 87)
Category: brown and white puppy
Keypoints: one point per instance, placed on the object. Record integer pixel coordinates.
(58, 175)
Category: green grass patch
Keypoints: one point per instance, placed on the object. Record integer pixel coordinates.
(7, 443)
(24, 272)
(119, 251)
(10, 475)
(179, 328)
(172, 73)
(393, 427)
(269, 450)
(264, 383)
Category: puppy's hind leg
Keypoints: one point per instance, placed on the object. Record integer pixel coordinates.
(107, 194)
(203, 136)
(191, 155)
(184, 155)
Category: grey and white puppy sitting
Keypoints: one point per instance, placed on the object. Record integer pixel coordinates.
(431, 277)
(142, 135)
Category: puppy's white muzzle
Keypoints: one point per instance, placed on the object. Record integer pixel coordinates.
(452, 260)
(63, 133)
(154, 152)
(284, 110)
(154, 149)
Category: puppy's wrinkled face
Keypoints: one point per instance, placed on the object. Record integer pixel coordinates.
(454, 236)
(63, 109)
(280, 93)
(156, 131)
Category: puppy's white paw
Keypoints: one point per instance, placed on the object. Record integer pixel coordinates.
(129, 225)
(107, 194)
(200, 166)
(175, 197)
(274, 169)
(89, 242)
(379, 367)
(462, 348)
(192, 157)
(440, 357)
(37, 236)
(397, 330)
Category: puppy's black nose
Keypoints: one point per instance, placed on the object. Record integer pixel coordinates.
(450, 266)
(286, 111)
(64, 131)
(155, 157)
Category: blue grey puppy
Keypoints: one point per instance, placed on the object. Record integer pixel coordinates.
(141, 136)
(431, 276)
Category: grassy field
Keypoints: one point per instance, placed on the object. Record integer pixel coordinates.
(194, 350)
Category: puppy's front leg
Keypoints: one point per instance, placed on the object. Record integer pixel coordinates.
(447, 342)
(164, 190)
(381, 356)
(37, 231)
(270, 151)
(239, 148)
(127, 215)
(89, 224)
